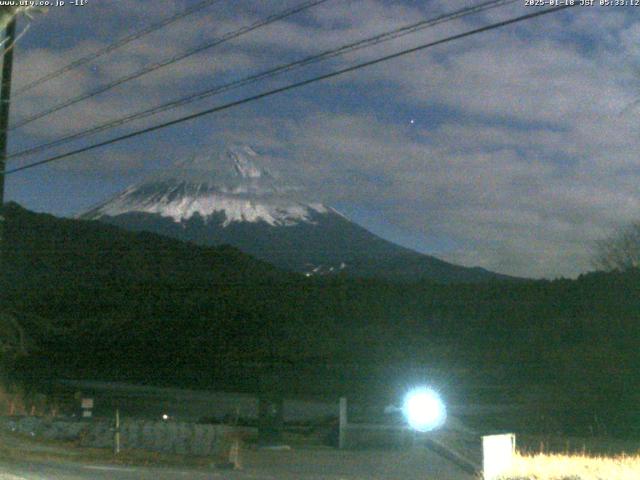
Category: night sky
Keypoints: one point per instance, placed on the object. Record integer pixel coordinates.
(514, 150)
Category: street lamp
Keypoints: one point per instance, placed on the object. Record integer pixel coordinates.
(424, 410)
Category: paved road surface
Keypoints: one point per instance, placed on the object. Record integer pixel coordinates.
(300, 464)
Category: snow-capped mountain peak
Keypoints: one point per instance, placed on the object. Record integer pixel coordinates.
(243, 163)
(235, 185)
(236, 197)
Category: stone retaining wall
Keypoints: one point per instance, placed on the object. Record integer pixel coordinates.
(169, 437)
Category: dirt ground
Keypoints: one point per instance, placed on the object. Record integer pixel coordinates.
(312, 464)
(24, 458)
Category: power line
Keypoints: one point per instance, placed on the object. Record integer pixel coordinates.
(114, 46)
(348, 48)
(291, 87)
(156, 66)
(272, 72)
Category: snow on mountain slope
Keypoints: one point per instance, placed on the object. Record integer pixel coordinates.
(232, 185)
(179, 205)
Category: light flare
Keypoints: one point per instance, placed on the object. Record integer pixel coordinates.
(424, 410)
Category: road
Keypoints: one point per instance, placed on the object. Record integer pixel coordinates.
(299, 464)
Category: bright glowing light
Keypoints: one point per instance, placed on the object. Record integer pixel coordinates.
(424, 410)
(165, 417)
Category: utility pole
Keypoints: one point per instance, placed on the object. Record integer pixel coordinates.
(116, 434)
(5, 104)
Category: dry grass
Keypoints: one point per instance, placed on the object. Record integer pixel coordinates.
(568, 445)
(574, 467)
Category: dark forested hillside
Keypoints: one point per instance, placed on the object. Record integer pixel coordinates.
(99, 302)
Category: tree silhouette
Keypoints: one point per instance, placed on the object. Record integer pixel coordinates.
(620, 250)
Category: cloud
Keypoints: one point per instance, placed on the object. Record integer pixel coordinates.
(523, 152)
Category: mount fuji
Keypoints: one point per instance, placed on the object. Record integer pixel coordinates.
(235, 198)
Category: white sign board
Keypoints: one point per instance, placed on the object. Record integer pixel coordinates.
(87, 403)
(498, 452)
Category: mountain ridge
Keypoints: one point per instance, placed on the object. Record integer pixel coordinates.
(233, 198)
